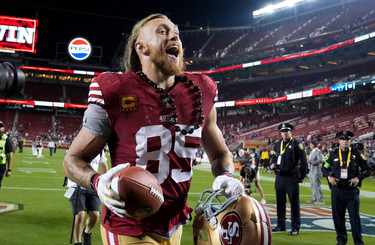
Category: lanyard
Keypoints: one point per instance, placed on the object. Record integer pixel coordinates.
(281, 146)
(348, 161)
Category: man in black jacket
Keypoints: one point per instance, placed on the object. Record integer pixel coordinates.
(345, 169)
(290, 165)
(6, 150)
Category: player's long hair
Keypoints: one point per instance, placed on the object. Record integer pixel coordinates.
(131, 60)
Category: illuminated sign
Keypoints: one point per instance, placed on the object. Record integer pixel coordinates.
(18, 34)
(79, 48)
(343, 87)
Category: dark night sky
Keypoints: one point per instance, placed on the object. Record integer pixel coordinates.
(104, 24)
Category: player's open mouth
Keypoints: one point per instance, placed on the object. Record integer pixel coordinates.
(173, 51)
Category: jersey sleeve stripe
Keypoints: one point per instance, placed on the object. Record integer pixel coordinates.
(94, 85)
(98, 101)
(95, 94)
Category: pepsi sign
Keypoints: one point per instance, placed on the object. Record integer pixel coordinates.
(79, 48)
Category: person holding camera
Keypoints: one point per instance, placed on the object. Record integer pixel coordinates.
(290, 165)
(345, 169)
(247, 175)
(252, 161)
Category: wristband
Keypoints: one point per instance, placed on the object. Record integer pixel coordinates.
(94, 180)
(227, 173)
(9, 170)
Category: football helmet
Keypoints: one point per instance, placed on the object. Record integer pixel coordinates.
(237, 220)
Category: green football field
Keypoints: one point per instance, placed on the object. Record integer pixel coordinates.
(33, 209)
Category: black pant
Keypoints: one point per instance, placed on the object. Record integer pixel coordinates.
(265, 163)
(3, 169)
(287, 185)
(342, 199)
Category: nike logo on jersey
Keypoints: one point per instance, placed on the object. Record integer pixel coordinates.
(165, 118)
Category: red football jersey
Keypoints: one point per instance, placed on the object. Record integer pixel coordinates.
(143, 135)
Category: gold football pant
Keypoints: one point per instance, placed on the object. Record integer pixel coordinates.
(109, 238)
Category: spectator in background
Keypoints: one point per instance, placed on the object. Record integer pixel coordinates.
(20, 143)
(325, 154)
(40, 148)
(264, 158)
(51, 146)
(308, 139)
(315, 161)
(34, 149)
(15, 144)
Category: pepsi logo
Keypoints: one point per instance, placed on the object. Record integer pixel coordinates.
(231, 229)
(79, 48)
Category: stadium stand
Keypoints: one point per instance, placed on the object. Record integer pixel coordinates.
(329, 22)
(33, 124)
(67, 127)
(321, 124)
(36, 125)
(7, 117)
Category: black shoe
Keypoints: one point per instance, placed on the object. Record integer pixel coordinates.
(278, 228)
(86, 238)
(293, 233)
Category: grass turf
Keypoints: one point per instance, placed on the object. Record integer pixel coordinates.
(46, 218)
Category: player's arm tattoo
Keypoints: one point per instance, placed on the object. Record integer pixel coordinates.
(80, 172)
(84, 148)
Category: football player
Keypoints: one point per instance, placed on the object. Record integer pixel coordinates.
(153, 116)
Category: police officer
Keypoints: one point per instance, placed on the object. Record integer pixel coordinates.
(290, 164)
(345, 169)
(6, 151)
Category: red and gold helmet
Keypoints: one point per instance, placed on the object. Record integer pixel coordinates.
(238, 220)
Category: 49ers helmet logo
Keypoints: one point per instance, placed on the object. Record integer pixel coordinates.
(231, 229)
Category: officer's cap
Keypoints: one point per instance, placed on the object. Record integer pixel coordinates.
(344, 135)
(285, 127)
(1, 124)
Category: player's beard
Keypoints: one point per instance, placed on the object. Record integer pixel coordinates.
(164, 65)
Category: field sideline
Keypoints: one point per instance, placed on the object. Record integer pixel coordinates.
(38, 213)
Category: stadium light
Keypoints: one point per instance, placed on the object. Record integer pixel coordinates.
(275, 7)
